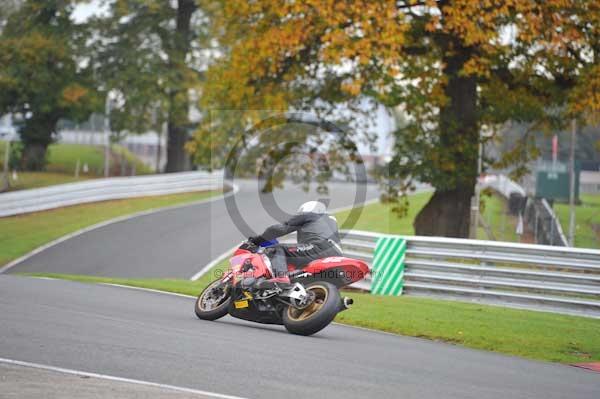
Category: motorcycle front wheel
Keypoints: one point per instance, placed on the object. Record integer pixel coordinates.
(213, 301)
(318, 314)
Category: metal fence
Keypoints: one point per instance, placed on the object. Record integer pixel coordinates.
(537, 214)
(25, 201)
(544, 223)
(538, 277)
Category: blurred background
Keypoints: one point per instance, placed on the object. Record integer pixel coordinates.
(495, 111)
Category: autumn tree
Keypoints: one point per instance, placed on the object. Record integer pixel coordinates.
(149, 52)
(455, 66)
(40, 77)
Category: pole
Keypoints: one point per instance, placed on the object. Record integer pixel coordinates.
(572, 184)
(6, 156)
(158, 146)
(554, 150)
(476, 198)
(6, 159)
(107, 136)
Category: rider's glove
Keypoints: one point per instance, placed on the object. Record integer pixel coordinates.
(256, 240)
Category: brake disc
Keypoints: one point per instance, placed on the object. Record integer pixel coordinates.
(302, 304)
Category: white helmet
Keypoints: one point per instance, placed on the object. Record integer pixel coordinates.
(312, 207)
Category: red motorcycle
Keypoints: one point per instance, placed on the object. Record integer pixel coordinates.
(305, 307)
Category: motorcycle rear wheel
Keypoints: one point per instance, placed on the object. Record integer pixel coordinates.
(211, 304)
(318, 314)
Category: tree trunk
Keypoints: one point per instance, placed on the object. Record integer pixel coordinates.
(34, 156)
(36, 135)
(177, 158)
(448, 212)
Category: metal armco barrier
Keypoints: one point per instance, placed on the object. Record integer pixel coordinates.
(39, 199)
(538, 277)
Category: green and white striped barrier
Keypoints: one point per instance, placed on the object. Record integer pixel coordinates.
(388, 266)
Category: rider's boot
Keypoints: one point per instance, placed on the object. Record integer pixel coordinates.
(283, 281)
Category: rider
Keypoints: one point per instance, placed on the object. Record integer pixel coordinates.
(318, 237)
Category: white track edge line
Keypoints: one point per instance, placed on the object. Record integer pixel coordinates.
(131, 287)
(146, 289)
(206, 268)
(118, 219)
(118, 379)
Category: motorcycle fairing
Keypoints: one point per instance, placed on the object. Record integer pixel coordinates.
(259, 311)
(338, 270)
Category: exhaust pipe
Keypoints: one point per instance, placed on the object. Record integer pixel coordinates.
(347, 303)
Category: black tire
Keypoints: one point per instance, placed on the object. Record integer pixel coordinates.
(296, 321)
(217, 312)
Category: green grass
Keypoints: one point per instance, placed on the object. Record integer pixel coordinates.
(2, 150)
(587, 220)
(63, 158)
(380, 218)
(529, 334)
(62, 163)
(40, 179)
(23, 233)
(501, 223)
(119, 152)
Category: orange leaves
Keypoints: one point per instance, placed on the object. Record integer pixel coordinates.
(280, 42)
(477, 66)
(371, 30)
(73, 93)
(352, 87)
(585, 98)
(368, 46)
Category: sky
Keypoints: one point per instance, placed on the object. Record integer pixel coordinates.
(85, 10)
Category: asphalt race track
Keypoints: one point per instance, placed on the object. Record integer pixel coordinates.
(177, 242)
(156, 337)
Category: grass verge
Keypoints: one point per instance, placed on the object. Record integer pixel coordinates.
(380, 217)
(62, 163)
(528, 334)
(27, 180)
(587, 220)
(63, 158)
(22, 233)
(501, 223)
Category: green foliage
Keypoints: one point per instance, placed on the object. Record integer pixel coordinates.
(14, 157)
(123, 156)
(42, 79)
(143, 55)
(456, 67)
